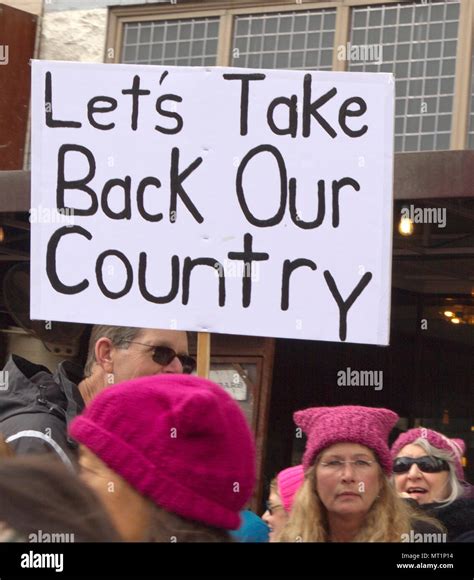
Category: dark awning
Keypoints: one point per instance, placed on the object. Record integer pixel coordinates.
(434, 174)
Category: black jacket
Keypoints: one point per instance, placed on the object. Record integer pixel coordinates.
(457, 517)
(36, 407)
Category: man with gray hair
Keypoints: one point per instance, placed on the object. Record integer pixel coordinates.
(37, 406)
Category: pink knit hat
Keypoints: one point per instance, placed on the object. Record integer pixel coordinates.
(454, 446)
(177, 439)
(367, 426)
(288, 482)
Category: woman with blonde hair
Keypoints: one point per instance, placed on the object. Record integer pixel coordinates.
(282, 492)
(346, 495)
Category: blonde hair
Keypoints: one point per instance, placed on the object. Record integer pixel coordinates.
(273, 487)
(388, 518)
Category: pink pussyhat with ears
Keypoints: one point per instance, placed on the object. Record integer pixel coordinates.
(456, 447)
(288, 482)
(367, 426)
(179, 440)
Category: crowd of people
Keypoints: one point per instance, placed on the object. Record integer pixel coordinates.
(134, 447)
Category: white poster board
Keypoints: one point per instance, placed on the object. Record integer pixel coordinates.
(213, 199)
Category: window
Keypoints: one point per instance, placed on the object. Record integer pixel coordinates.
(171, 42)
(416, 40)
(418, 44)
(296, 40)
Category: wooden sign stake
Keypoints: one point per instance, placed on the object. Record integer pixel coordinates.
(204, 354)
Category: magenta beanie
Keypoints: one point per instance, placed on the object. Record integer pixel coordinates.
(178, 439)
(288, 482)
(454, 446)
(325, 426)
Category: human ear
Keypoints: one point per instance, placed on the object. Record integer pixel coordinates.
(103, 354)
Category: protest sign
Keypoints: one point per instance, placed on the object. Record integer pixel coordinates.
(213, 199)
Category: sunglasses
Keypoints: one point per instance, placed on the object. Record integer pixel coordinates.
(164, 355)
(426, 464)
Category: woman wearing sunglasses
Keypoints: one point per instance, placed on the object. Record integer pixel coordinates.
(428, 468)
(282, 492)
(346, 495)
